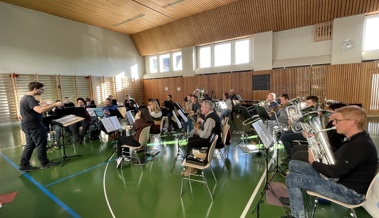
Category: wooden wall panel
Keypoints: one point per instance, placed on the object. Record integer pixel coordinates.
(350, 83)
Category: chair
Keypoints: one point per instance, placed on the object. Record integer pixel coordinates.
(154, 137)
(367, 203)
(202, 168)
(143, 139)
(223, 154)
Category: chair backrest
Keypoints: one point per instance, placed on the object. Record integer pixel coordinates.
(225, 133)
(212, 149)
(144, 136)
(372, 197)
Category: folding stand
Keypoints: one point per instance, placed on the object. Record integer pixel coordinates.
(64, 122)
(268, 142)
(113, 126)
(180, 152)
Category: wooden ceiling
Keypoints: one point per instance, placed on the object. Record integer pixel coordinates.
(138, 15)
(164, 25)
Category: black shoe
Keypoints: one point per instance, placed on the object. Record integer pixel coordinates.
(49, 164)
(27, 168)
(286, 160)
(285, 200)
(287, 216)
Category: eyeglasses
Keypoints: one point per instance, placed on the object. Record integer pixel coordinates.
(339, 120)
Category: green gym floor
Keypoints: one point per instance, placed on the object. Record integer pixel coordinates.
(90, 186)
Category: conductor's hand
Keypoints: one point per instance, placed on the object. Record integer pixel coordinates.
(46, 103)
(58, 104)
(310, 157)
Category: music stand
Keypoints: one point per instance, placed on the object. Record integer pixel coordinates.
(116, 113)
(65, 122)
(249, 117)
(261, 111)
(268, 142)
(130, 117)
(113, 126)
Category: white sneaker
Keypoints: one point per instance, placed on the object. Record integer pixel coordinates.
(127, 159)
(119, 162)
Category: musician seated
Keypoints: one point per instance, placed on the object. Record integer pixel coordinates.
(281, 114)
(145, 120)
(107, 113)
(300, 152)
(355, 165)
(228, 106)
(273, 104)
(85, 124)
(68, 103)
(167, 109)
(156, 113)
(289, 136)
(130, 104)
(210, 125)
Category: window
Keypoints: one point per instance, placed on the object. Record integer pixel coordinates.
(242, 51)
(153, 64)
(205, 57)
(222, 54)
(371, 34)
(164, 61)
(177, 62)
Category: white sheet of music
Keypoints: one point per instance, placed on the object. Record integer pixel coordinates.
(108, 125)
(91, 112)
(116, 122)
(66, 119)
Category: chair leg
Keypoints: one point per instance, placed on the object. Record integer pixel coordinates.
(136, 155)
(353, 213)
(206, 184)
(213, 174)
(181, 187)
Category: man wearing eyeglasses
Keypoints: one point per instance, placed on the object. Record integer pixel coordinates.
(35, 131)
(355, 165)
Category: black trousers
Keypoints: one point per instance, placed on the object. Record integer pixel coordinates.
(126, 140)
(196, 142)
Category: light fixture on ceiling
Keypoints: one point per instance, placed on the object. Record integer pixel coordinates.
(172, 3)
(129, 19)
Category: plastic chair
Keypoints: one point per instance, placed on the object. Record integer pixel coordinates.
(369, 195)
(202, 168)
(143, 139)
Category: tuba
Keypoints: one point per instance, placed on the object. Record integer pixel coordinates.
(318, 144)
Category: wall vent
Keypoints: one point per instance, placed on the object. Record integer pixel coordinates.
(323, 31)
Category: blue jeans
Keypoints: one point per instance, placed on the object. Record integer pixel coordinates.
(35, 139)
(302, 176)
(287, 139)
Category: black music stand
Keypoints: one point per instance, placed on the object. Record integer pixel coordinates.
(268, 142)
(248, 118)
(112, 126)
(261, 111)
(116, 113)
(65, 122)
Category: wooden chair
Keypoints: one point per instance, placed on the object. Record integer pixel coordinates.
(370, 194)
(202, 168)
(143, 139)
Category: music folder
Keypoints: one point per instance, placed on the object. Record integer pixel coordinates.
(111, 124)
(67, 120)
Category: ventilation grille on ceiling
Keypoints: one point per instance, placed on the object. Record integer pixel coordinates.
(323, 31)
(130, 19)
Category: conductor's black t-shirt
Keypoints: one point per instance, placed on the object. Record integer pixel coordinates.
(31, 120)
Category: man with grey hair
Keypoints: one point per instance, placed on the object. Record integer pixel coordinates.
(209, 125)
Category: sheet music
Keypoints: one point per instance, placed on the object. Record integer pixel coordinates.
(108, 125)
(183, 116)
(91, 112)
(99, 112)
(263, 133)
(177, 121)
(130, 117)
(116, 123)
(68, 120)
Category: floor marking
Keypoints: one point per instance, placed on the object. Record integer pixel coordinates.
(105, 191)
(13, 147)
(253, 195)
(43, 189)
(75, 174)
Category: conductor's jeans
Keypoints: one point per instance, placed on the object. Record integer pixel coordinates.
(36, 138)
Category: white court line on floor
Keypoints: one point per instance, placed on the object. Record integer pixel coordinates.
(248, 205)
(105, 191)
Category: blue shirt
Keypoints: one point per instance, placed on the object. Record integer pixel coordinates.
(112, 107)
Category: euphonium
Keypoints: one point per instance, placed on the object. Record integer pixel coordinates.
(294, 112)
(319, 143)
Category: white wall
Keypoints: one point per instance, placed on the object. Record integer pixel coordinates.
(348, 28)
(263, 51)
(35, 42)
